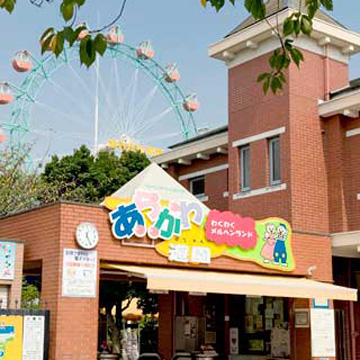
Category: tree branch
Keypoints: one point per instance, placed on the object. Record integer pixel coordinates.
(112, 22)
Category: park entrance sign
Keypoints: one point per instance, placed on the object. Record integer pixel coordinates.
(156, 210)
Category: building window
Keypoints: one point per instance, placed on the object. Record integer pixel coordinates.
(197, 186)
(274, 151)
(245, 168)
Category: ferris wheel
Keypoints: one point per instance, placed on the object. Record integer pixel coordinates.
(126, 96)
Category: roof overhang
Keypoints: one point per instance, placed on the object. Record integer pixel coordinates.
(347, 104)
(346, 244)
(193, 280)
(200, 150)
(226, 49)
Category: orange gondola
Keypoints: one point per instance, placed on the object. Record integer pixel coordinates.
(22, 61)
(115, 36)
(145, 50)
(191, 103)
(171, 73)
(6, 95)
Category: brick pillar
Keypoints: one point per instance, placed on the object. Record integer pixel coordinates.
(166, 321)
(73, 321)
(301, 339)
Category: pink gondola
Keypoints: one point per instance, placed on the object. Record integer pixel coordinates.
(115, 36)
(2, 136)
(171, 73)
(83, 33)
(6, 96)
(191, 103)
(145, 50)
(22, 61)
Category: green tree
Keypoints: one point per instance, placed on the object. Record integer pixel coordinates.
(118, 295)
(86, 178)
(20, 188)
(30, 296)
(95, 43)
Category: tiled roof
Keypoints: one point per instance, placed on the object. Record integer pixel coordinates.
(207, 134)
(274, 6)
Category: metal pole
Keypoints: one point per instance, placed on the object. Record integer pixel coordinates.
(96, 120)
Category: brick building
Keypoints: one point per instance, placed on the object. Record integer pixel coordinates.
(289, 160)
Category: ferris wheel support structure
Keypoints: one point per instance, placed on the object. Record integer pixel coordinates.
(25, 95)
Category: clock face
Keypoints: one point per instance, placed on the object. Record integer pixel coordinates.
(87, 235)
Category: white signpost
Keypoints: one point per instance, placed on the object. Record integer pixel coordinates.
(323, 333)
(79, 273)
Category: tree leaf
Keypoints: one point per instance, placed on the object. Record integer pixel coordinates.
(297, 56)
(306, 25)
(69, 35)
(9, 5)
(87, 51)
(288, 27)
(256, 8)
(262, 77)
(328, 4)
(67, 11)
(266, 85)
(58, 46)
(100, 44)
(47, 32)
(275, 85)
(45, 42)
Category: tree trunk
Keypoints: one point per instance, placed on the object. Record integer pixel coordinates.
(115, 333)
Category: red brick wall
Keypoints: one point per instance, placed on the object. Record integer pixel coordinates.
(343, 173)
(215, 183)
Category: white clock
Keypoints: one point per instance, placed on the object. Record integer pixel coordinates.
(87, 235)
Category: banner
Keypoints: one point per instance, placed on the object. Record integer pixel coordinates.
(11, 333)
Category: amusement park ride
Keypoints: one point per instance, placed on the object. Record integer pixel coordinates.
(16, 129)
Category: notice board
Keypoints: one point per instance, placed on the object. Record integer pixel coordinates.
(323, 333)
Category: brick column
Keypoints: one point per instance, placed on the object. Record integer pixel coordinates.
(166, 323)
(73, 321)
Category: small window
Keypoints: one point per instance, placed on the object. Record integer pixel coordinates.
(245, 168)
(197, 186)
(274, 150)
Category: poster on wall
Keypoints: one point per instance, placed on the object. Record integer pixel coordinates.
(34, 338)
(11, 331)
(322, 333)
(7, 260)
(79, 273)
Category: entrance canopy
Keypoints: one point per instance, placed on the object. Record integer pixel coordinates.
(238, 284)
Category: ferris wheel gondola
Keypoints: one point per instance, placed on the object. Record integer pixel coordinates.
(22, 61)
(115, 36)
(6, 95)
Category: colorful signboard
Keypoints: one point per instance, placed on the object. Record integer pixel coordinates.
(11, 332)
(7, 260)
(79, 273)
(187, 232)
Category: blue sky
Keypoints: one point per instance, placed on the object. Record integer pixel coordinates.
(180, 31)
